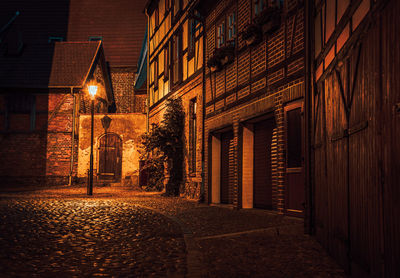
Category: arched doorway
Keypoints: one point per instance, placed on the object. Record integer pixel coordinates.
(110, 157)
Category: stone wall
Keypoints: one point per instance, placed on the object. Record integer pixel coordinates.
(129, 127)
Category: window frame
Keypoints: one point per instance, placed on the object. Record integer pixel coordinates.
(220, 34)
(95, 38)
(192, 23)
(227, 27)
(290, 107)
(193, 109)
(155, 63)
(166, 60)
(231, 27)
(176, 57)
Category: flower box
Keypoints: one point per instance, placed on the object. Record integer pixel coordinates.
(221, 57)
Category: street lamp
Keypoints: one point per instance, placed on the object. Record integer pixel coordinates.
(92, 91)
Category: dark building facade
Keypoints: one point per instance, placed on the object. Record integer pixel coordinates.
(355, 134)
(42, 92)
(43, 42)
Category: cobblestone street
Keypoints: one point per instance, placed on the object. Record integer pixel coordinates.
(122, 233)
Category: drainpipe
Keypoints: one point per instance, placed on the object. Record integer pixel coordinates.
(202, 189)
(148, 71)
(73, 137)
(309, 191)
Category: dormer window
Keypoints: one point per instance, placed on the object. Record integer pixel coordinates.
(96, 38)
(55, 39)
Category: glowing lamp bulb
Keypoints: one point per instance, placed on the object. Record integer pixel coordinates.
(92, 90)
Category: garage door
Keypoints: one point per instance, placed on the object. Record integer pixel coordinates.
(226, 167)
(262, 163)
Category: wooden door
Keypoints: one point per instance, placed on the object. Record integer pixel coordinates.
(226, 167)
(294, 192)
(110, 157)
(262, 164)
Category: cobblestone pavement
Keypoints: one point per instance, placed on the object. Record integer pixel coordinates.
(85, 238)
(121, 232)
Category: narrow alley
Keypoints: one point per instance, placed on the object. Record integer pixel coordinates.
(124, 233)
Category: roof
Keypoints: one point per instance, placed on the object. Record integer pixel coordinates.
(59, 64)
(141, 74)
(121, 23)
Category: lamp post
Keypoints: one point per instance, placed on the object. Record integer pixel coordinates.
(92, 91)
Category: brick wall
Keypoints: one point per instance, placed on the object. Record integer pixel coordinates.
(126, 100)
(42, 155)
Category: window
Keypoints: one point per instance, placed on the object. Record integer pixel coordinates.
(155, 73)
(55, 39)
(229, 34)
(96, 38)
(232, 27)
(259, 6)
(21, 112)
(191, 37)
(221, 35)
(177, 63)
(177, 6)
(166, 61)
(167, 5)
(192, 135)
(156, 18)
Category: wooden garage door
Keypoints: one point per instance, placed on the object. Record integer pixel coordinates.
(262, 163)
(226, 167)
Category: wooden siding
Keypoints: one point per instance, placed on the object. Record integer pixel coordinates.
(356, 148)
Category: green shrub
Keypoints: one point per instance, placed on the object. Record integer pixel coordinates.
(164, 144)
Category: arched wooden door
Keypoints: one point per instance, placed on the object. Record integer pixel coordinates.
(110, 157)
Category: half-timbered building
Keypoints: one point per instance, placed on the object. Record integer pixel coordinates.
(175, 70)
(254, 105)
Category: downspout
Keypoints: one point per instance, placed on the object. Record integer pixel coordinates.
(73, 137)
(309, 190)
(202, 189)
(148, 72)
